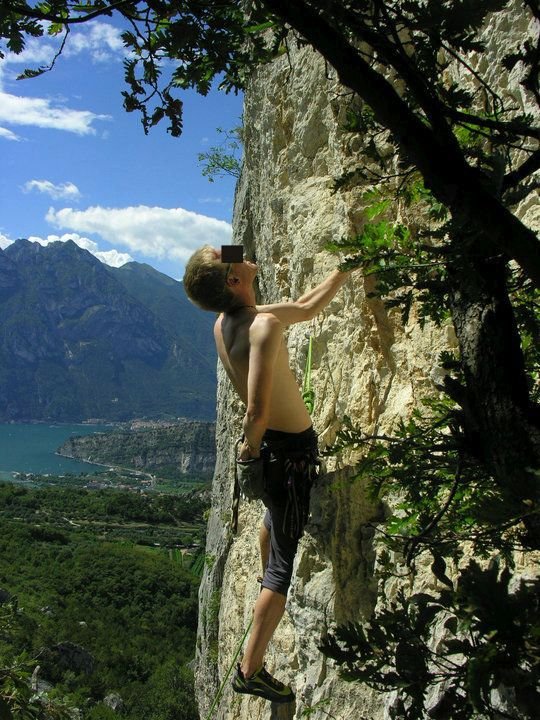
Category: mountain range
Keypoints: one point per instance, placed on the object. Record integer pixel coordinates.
(80, 340)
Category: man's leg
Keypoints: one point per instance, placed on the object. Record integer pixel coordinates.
(268, 611)
(270, 604)
(252, 677)
(264, 542)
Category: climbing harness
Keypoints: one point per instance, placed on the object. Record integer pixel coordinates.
(300, 472)
(308, 396)
(222, 686)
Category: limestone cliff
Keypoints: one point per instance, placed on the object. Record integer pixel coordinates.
(366, 365)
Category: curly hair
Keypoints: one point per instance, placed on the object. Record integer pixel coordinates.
(204, 281)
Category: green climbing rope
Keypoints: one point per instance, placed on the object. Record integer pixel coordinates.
(308, 395)
(235, 658)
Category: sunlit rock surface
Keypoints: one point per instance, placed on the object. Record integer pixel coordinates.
(367, 365)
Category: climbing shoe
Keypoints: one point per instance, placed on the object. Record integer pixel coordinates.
(262, 684)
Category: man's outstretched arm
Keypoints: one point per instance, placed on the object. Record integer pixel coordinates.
(311, 303)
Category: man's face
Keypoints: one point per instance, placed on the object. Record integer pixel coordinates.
(245, 270)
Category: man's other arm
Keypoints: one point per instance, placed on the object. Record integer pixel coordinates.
(265, 337)
(311, 303)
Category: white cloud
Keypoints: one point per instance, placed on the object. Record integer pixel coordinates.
(36, 52)
(102, 40)
(65, 190)
(5, 241)
(8, 135)
(212, 200)
(113, 258)
(152, 231)
(108, 257)
(41, 112)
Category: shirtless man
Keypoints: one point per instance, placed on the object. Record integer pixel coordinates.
(250, 344)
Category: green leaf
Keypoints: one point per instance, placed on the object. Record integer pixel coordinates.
(422, 599)
(31, 73)
(410, 661)
(425, 617)
(261, 27)
(457, 647)
(157, 115)
(377, 209)
(55, 28)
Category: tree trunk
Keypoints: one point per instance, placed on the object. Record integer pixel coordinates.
(500, 424)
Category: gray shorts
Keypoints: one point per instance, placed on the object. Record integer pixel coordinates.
(291, 467)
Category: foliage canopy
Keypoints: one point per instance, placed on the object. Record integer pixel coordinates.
(127, 607)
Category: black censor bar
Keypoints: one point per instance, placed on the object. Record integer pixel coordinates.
(232, 253)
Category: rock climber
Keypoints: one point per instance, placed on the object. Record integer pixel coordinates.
(279, 444)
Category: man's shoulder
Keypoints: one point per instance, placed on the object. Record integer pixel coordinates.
(267, 320)
(265, 325)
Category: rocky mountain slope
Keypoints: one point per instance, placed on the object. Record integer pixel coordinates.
(82, 340)
(183, 449)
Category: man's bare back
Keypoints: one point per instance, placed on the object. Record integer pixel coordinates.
(232, 332)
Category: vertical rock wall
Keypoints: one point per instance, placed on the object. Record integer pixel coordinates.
(366, 365)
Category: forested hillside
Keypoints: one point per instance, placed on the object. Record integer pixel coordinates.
(108, 614)
(182, 451)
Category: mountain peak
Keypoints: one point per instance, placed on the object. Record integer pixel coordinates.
(22, 248)
(147, 271)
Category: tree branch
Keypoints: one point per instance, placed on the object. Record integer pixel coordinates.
(393, 55)
(445, 170)
(496, 98)
(507, 127)
(35, 14)
(412, 543)
(528, 167)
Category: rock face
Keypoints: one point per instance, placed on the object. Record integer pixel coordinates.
(366, 365)
(65, 656)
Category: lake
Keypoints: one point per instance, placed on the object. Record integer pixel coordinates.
(30, 448)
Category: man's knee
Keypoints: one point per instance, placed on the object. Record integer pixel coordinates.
(275, 584)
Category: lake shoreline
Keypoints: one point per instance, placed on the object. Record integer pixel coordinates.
(31, 448)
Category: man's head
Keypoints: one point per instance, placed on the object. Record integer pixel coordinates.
(205, 280)
(214, 285)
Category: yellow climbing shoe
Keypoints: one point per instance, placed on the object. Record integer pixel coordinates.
(262, 684)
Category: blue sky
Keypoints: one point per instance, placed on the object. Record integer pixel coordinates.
(76, 165)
